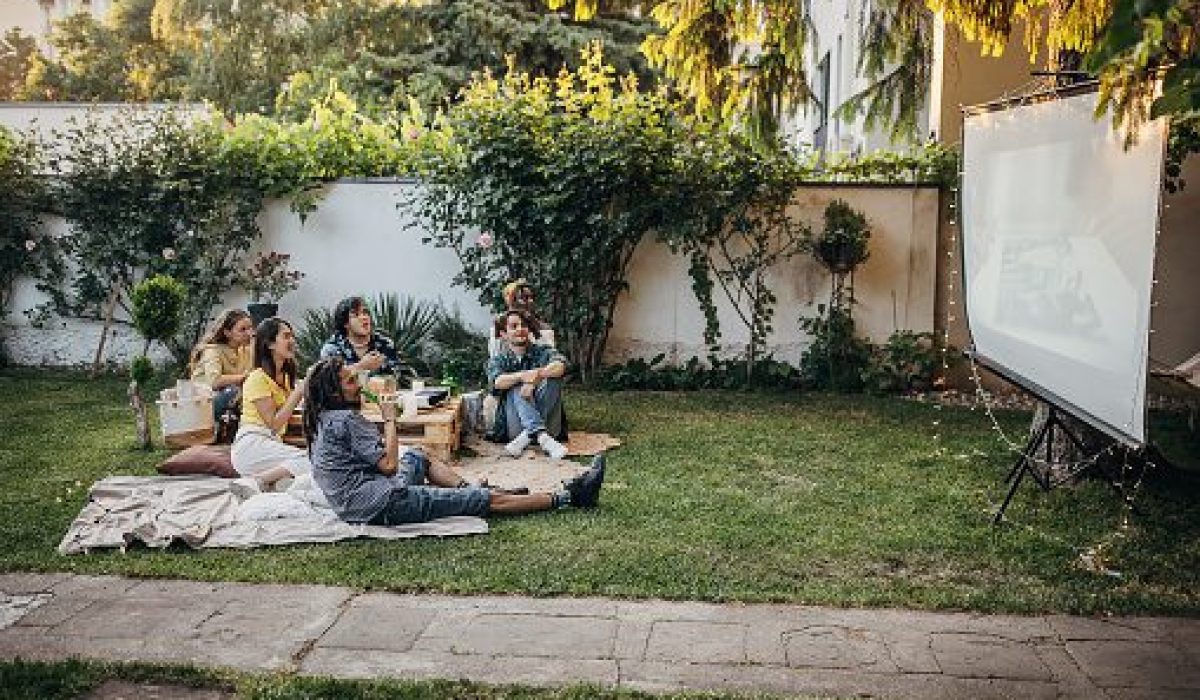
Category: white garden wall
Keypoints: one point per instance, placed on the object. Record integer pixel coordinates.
(357, 242)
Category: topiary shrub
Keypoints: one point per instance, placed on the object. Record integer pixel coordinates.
(158, 308)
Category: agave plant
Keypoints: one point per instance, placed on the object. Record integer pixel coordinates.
(408, 322)
(317, 327)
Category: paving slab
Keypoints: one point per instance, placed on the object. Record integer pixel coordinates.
(1136, 664)
(650, 645)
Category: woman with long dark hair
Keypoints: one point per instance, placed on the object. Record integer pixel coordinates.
(366, 479)
(270, 394)
(222, 359)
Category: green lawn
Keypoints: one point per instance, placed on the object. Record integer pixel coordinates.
(714, 496)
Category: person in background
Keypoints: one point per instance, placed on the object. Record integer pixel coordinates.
(221, 360)
(356, 341)
(518, 296)
(366, 479)
(270, 394)
(526, 378)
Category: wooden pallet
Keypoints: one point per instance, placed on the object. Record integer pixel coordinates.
(437, 430)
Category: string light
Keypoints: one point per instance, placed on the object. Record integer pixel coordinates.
(1067, 471)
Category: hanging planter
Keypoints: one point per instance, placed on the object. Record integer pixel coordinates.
(842, 244)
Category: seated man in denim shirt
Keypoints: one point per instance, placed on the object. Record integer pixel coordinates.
(356, 341)
(527, 379)
(366, 480)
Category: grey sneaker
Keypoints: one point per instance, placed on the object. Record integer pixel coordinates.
(585, 488)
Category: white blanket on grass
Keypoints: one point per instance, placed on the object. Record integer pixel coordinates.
(203, 511)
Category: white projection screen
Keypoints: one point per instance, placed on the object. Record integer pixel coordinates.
(1059, 223)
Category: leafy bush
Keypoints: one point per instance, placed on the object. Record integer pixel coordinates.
(157, 306)
(909, 361)
(22, 250)
(836, 358)
(141, 370)
(563, 177)
(457, 352)
(268, 278)
(144, 194)
(656, 375)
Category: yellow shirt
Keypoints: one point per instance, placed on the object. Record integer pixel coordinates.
(260, 386)
(217, 359)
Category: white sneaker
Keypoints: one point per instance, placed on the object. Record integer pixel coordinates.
(554, 448)
(518, 445)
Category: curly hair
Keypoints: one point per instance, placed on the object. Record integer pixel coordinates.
(322, 392)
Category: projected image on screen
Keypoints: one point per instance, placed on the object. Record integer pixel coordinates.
(1059, 224)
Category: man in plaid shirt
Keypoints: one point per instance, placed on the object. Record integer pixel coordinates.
(527, 380)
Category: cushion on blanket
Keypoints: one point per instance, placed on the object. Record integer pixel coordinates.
(200, 459)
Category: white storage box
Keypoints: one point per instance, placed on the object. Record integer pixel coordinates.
(186, 415)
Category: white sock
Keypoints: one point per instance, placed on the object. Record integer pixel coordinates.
(553, 447)
(518, 444)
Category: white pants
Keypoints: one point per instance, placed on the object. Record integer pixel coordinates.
(257, 449)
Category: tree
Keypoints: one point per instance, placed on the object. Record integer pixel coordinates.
(260, 56)
(16, 53)
(733, 59)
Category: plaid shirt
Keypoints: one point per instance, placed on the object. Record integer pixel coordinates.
(506, 362)
(339, 345)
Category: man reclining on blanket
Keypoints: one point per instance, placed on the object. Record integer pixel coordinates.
(366, 481)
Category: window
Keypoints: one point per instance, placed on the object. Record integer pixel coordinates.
(821, 132)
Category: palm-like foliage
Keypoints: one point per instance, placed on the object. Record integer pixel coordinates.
(317, 328)
(408, 322)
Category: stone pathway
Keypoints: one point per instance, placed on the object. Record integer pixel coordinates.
(649, 645)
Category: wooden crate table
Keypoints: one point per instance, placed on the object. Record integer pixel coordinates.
(438, 430)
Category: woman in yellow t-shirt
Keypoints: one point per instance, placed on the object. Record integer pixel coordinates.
(221, 360)
(269, 395)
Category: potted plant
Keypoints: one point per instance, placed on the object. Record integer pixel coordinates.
(842, 245)
(266, 281)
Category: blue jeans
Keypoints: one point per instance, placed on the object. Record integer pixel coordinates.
(419, 503)
(223, 398)
(543, 412)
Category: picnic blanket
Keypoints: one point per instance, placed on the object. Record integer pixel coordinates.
(206, 511)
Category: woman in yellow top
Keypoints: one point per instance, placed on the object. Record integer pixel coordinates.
(221, 360)
(269, 395)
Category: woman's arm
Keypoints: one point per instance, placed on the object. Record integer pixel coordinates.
(278, 417)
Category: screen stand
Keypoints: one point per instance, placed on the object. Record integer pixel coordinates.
(1027, 463)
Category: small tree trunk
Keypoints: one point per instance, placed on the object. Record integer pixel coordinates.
(110, 308)
(139, 415)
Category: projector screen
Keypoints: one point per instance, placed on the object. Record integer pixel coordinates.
(1058, 235)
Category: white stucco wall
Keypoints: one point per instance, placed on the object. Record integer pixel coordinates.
(357, 243)
(895, 288)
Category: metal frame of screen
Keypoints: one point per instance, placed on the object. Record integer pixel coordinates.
(995, 366)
